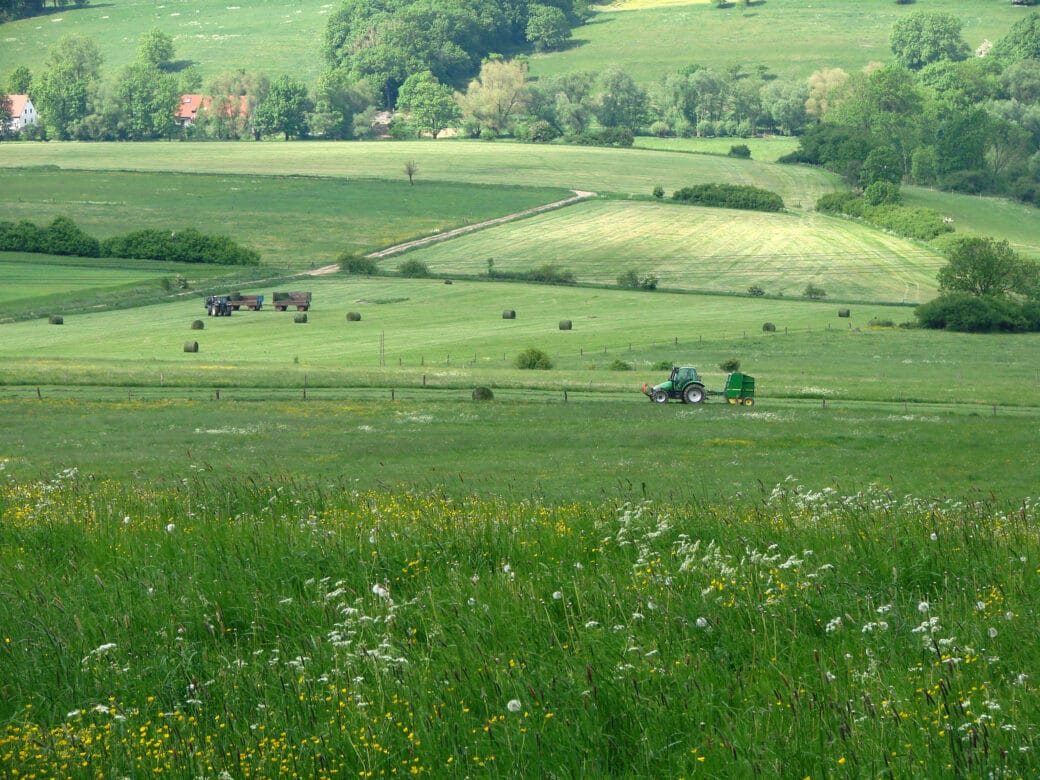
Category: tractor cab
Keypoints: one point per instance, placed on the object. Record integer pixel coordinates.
(684, 383)
(683, 376)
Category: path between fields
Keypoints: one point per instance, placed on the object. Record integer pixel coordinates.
(396, 248)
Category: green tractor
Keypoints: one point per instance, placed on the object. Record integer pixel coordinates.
(685, 384)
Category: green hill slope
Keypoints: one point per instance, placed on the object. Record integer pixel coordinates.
(700, 249)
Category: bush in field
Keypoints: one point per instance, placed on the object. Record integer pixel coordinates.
(814, 292)
(741, 151)
(61, 237)
(413, 269)
(532, 358)
(619, 365)
(968, 313)
(730, 364)
(354, 263)
(732, 196)
(185, 246)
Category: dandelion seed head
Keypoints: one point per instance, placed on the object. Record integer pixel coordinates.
(557, 595)
(992, 632)
(514, 705)
(701, 622)
(923, 607)
(170, 528)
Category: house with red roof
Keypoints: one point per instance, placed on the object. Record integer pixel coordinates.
(22, 113)
(190, 107)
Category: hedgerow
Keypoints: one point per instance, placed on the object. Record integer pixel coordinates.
(732, 196)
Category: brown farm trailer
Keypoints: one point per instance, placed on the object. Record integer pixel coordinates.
(301, 301)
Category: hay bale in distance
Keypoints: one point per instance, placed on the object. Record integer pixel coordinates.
(56, 319)
(509, 314)
(198, 325)
(768, 327)
(191, 346)
(301, 317)
(483, 394)
(844, 313)
(353, 316)
(565, 324)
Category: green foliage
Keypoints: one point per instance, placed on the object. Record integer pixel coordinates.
(620, 137)
(284, 109)
(65, 92)
(185, 246)
(61, 237)
(1022, 41)
(155, 48)
(619, 365)
(658, 191)
(882, 193)
(741, 151)
(532, 358)
(430, 105)
(413, 269)
(981, 266)
(540, 132)
(20, 81)
(146, 99)
(813, 292)
(734, 196)
(355, 263)
(923, 37)
(971, 313)
(494, 99)
(634, 280)
(882, 164)
(547, 27)
(730, 364)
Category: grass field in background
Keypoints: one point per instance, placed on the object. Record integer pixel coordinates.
(699, 249)
(792, 39)
(768, 149)
(293, 222)
(624, 171)
(649, 42)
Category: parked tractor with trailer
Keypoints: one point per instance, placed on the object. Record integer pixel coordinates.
(686, 385)
(218, 306)
(251, 302)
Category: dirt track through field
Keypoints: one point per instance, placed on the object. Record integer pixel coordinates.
(397, 248)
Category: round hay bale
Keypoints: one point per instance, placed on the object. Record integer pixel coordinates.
(301, 317)
(509, 314)
(191, 346)
(56, 319)
(565, 324)
(768, 327)
(198, 325)
(353, 316)
(483, 394)
(844, 313)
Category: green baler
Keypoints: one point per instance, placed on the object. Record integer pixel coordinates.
(685, 384)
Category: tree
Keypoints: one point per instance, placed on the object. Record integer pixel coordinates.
(430, 104)
(547, 27)
(5, 112)
(147, 100)
(785, 102)
(980, 266)
(156, 48)
(827, 88)
(1007, 146)
(339, 99)
(236, 95)
(20, 81)
(497, 95)
(1022, 81)
(1022, 41)
(411, 167)
(620, 102)
(284, 109)
(881, 164)
(65, 92)
(927, 36)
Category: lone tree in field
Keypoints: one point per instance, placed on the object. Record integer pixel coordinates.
(928, 36)
(984, 266)
(411, 167)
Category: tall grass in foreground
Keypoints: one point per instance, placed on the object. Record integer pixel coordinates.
(287, 629)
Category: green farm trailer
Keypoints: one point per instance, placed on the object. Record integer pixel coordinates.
(685, 384)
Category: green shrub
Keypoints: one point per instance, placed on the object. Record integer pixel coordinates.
(882, 193)
(541, 132)
(814, 292)
(733, 196)
(532, 358)
(922, 224)
(658, 191)
(969, 313)
(185, 246)
(354, 263)
(730, 364)
(741, 151)
(619, 365)
(841, 203)
(413, 269)
(483, 394)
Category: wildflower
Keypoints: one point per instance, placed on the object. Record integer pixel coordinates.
(557, 595)
(514, 705)
(934, 536)
(829, 677)
(591, 624)
(701, 622)
(380, 591)
(992, 632)
(126, 520)
(834, 625)
(923, 607)
(170, 528)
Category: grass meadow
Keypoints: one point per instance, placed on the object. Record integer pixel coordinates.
(253, 628)
(792, 39)
(699, 249)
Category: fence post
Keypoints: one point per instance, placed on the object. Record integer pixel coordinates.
(392, 394)
(565, 396)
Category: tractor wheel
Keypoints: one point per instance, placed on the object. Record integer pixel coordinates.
(659, 396)
(693, 394)
(749, 402)
(733, 400)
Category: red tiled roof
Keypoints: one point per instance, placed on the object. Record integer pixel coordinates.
(190, 105)
(16, 104)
